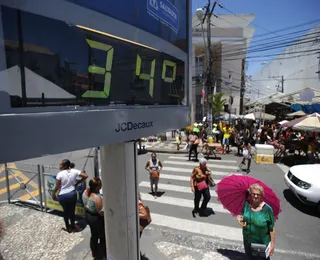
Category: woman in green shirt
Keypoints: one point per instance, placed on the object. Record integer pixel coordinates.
(257, 220)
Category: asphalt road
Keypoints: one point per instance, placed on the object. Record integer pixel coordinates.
(297, 229)
(174, 232)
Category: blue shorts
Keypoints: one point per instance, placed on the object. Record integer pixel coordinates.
(225, 141)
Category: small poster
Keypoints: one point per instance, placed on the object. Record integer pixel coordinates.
(50, 184)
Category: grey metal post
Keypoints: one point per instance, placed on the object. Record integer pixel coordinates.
(7, 182)
(39, 186)
(96, 162)
(44, 189)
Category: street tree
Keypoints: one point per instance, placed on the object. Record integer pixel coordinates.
(218, 103)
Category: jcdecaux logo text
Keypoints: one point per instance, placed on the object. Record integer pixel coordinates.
(128, 126)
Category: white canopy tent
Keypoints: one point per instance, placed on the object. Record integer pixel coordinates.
(294, 97)
(258, 115)
(298, 113)
(283, 122)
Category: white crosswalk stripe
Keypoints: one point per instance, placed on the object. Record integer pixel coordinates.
(182, 202)
(178, 177)
(176, 188)
(213, 166)
(179, 169)
(215, 161)
(172, 209)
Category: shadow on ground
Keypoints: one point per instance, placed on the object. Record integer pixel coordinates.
(232, 254)
(143, 257)
(292, 160)
(296, 203)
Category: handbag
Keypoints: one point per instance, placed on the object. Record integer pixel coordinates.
(202, 185)
(211, 182)
(258, 250)
(154, 175)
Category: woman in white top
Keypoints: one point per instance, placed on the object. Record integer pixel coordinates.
(66, 182)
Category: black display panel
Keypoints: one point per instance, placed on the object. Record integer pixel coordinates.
(56, 63)
(166, 19)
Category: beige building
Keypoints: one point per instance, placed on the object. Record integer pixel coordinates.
(230, 38)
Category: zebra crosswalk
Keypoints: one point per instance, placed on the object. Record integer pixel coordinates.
(173, 207)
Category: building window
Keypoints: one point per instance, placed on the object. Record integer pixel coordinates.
(199, 65)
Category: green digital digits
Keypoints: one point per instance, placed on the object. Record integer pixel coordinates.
(167, 63)
(145, 76)
(106, 71)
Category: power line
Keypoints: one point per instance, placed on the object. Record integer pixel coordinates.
(283, 41)
(223, 6)
(271, 47)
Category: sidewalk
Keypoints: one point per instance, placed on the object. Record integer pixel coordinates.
(34, 235)
(165, 147)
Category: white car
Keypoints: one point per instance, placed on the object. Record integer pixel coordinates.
(304, 182)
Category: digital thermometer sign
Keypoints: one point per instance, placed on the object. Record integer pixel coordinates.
(62, 64)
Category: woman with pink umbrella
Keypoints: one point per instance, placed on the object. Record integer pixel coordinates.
(256, 207)
(257, 221)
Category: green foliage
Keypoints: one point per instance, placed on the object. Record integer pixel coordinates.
(218, 103)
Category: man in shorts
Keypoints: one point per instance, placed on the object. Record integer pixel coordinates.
(154, 167)
(227, 131)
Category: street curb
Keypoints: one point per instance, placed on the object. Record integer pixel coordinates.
(166, 151)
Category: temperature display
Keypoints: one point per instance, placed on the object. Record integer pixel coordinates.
(62, 64)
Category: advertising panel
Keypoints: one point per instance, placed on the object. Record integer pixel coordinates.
(50, 184)
(165, 18)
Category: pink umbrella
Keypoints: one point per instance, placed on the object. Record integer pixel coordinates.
(233, 192)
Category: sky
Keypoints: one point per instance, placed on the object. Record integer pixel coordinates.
(271, 15)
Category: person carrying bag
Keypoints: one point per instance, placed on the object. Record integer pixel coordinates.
(144, 216)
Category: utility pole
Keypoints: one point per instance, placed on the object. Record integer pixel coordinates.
(209, 80)
(243, 85)
(230, 96)
(282, 82)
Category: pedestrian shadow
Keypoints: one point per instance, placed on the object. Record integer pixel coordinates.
(81, 222)
(143, 257)
(206, 213)
(296, 203)
(213, 158)
(232, 254)
(159, 193)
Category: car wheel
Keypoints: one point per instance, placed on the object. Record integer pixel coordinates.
(318, 208)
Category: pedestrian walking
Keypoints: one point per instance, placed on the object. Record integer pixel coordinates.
(199, 186)
(227, 131)
(246, 154)
(66, 182)
(257, 220)
(154, 166)
(93, 204)
(178, 139)
(194, 142)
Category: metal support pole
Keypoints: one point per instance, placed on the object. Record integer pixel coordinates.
(7, 183)
(44, 188)
(210, 63)
(282, 84)
(243, 83)
(96, 162)
(40, 186)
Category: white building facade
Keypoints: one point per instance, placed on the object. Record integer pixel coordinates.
(299, 65)
(230, 38)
